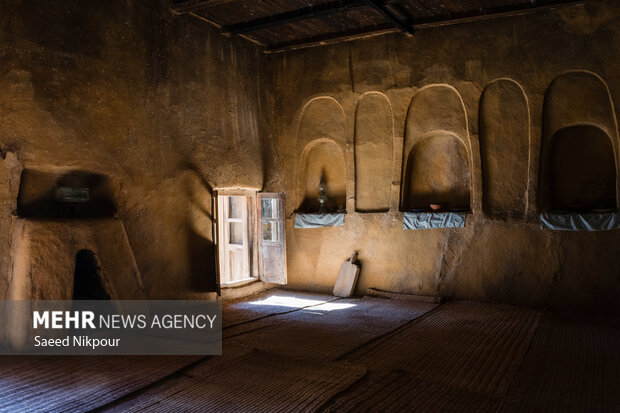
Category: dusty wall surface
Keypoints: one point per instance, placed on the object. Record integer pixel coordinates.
(44, 253)
(163, 107)
(476, 108)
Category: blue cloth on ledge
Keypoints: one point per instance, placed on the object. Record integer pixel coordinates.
(428, 220)
(574, 221)
(319, 220)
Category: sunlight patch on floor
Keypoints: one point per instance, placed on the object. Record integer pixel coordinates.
(295, 302)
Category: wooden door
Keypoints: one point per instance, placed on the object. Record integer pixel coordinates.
(271, 242)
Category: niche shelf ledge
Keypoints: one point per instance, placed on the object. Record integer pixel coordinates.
(316, 220)
(430, 220)
(576, 221)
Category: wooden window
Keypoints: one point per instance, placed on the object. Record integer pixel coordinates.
(272, 245)
(234, 236)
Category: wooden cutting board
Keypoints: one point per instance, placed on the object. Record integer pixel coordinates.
(347, 278)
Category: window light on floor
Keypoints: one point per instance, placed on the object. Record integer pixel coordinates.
(296, 302)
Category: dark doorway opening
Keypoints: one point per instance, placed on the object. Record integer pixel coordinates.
(87, 283)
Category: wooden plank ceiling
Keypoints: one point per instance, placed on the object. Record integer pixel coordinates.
(279, 25)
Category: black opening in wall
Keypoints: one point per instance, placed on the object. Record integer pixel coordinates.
(87, 283)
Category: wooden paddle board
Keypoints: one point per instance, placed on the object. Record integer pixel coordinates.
(347, 278)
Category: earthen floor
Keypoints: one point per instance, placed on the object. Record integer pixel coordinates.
(293, 351)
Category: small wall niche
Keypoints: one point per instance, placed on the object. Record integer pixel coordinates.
(38, 195)
(322, 160)
(437, 172)
(581, 170)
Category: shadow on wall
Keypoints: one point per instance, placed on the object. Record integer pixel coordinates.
(37, 199)
(87, 282)
(201, 256)
(581, 170)
(200, 248)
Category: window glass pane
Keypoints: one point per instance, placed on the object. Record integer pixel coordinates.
(235, 206)
(270, 230)
(269, 207)
(236, 233)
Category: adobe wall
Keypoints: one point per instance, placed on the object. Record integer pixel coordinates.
(464, 115)
(162, 106)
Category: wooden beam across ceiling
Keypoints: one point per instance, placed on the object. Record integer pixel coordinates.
(291, 16)
(397, 16)
(435, 21)
(332, 38)
(380, 7)
(188, 6)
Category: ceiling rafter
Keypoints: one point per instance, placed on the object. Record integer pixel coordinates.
(367, 18)
(291, 16)
(380, 7)
(188, 6)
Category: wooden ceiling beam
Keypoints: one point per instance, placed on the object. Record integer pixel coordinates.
(484, 14)
(496, 12)
(380, 7)
(304, 13)
(188, 6)
(331, 38)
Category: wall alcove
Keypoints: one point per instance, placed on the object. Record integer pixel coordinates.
(581, 170)
(437, 172)
(322, 160)
(437, 166)
(578, 170)
(37, 197)
(320, 145)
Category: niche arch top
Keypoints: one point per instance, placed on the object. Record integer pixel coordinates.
(321, 118)
(437, 158)
(436, 107)
(578, 97)
(374, 152)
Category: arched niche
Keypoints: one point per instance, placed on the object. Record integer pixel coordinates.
(504, 147)
(578, 97)
(374, 149)
(579, 145)
(322, 117)
(437, 151)
(437, 171)
(322, 159)
(581, 169)
(436, 107)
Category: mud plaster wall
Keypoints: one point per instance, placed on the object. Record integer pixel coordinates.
(163, 106)
(508, 73)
